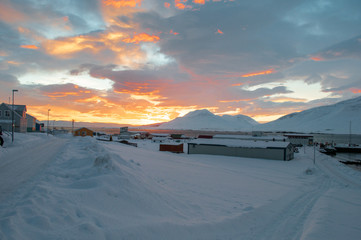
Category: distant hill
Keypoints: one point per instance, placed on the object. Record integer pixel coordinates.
(334, 118)
(205, 120)
(68, 124)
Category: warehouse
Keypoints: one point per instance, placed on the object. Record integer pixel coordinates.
(241, 148)
(300, 139)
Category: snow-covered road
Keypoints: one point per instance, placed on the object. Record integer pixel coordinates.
(18, 165)
(106, 190)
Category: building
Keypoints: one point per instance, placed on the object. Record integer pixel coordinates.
(169, 147)
(205, 136)
(251, 137)
(177, 136)
(276, 150)
(19, 112)
(160, 137)
(30, 123)
(300, 139)
(83, 132)
(39, 127)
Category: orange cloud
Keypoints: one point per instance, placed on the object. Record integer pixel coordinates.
(269, 71)
(317, 58)
(13, 62)
(142, 37)
(131, 56)
(122, 3)
(180, 4)
(23, 30)
(174, 33)
(199, 1)
(355, 90)
(238, 84)
(29, 46)
(10, 14)
(62, 94)
(167, 5)
(219, 31)
(67, 46)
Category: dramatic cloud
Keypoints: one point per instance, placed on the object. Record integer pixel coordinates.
(137, 62)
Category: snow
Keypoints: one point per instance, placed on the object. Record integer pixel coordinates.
(326, 119)
(205, 120)
(334, 118)
(81, 188)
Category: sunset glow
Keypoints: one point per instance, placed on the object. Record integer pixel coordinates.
(269, 71)
(29, 46)
(142, 37)
(122, 3)
(317, 58)
(141, 62)
(354, 90)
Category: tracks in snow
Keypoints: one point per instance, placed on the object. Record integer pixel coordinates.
(18, 167)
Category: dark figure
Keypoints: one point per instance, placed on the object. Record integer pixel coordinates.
(1, 139)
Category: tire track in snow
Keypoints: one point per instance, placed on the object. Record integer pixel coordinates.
(286, 217)
(19, 167)
(327, 167)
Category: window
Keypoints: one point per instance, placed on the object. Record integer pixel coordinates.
(1, 113)
(7, 113)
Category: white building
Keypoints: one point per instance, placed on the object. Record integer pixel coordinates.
(277, 150)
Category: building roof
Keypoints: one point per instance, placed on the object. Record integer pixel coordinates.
(83, 128)
(298, 135)
(250, 137)
(17, 108)
(241, 143)
(29, 116)
(160, 134)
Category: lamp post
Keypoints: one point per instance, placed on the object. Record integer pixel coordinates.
(47, 129)
(12, 118)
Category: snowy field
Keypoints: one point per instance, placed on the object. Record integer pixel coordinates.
(80, 188)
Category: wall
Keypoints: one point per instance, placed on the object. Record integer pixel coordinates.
(266, 153)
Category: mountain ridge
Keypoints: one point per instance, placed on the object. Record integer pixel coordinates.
(334, 118)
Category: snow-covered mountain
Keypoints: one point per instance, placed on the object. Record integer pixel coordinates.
(205, 120)
(334, 118)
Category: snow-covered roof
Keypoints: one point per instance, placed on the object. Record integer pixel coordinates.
(298, 135)
(249, 137)
(160, 138)
(241, 143)
(83, 128)
(160, 134)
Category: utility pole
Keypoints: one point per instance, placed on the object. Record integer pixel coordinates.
(72, 126)
(314, 154)
(12, 118)
(47, 129)
(349, 140)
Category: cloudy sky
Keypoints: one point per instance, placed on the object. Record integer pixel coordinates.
(147, 61)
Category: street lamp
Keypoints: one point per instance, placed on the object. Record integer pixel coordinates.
(47, 129)
(12, 118)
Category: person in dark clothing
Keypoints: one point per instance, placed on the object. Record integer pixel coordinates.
(1, 139)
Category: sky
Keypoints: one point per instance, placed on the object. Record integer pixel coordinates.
(146, 61)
